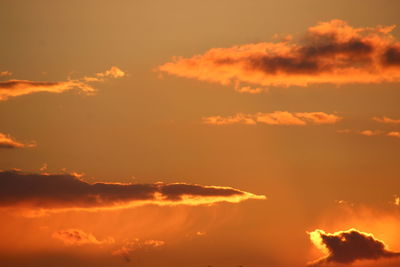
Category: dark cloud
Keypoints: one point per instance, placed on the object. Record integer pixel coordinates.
(349, 246)
(68, 191)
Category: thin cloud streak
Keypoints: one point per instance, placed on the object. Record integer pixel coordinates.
(385, 119)
(60, 192)
(331, 52)
(5, 73)
(6, 141)
(134, 245)
(370, 133)
(15, 88)
(275, 118)
(77, 237)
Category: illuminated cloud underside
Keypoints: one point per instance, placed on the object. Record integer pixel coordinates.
(67, 191)
(331, 52)
(348, 247)
(7, 141)
(275, 118)
(14, 88)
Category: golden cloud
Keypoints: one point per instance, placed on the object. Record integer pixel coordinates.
(330, 53)
(7, 141)
(14, 88)
(275, 118)
(386, 120)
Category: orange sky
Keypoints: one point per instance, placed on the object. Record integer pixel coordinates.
(199, 133)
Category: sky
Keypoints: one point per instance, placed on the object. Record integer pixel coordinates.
(200, 133)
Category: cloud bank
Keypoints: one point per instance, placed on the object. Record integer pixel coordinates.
(275, 118)
(7, 141)
(348, 247)
(68, 191)
(331, 52)
(14, 88)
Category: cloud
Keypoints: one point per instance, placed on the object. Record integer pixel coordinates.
(372, 133)
(76, 237)
(275, 118)
(330, 53)
(7, 141)
(136, 244)
(386, 120)
(393, 134)
(14, 88)
(68, 192)
(349, 246)
(5, 73)
(114, 72)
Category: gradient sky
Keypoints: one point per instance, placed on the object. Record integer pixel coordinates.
(134, 92)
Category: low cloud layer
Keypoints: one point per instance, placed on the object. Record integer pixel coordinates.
(7, 141)
(349, 246)
(331, 52)
(14, 88)
(275, 118)
(77, 237)
(68, 191)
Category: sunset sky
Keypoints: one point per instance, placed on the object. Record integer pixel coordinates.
(222, 133)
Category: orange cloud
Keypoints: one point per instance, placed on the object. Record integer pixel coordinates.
(330, 53)
(14, 88)
(371, 133)
(275, 118)
(386, 120)
(113, 72)
(7, 141)
(5, 73)
(348, 246)
(76, 237)
(58, 192)
(393, 134)
(136, 244)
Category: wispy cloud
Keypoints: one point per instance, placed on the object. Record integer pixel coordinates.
(275, 118)
(348, 246)
(372, 133)
(59, 192)
(6, 141)
(385, 119)
(331, 52)
(14, 88)
(77, 237)
(134, 245)
(5, 73)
